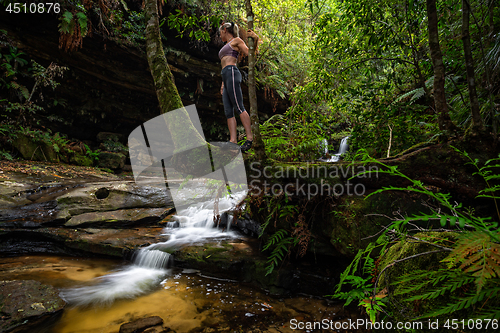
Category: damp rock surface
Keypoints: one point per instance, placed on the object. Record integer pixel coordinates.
(140, 325)
(26, 305)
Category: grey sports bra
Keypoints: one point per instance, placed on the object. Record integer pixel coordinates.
(227, 50)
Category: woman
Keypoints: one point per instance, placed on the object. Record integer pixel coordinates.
(231, 81)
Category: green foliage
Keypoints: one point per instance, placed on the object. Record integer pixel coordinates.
(280, 244)
(469, 281)
(133, 28)
(284, 59)
(297, 136)
(359, 275)
(196, 27)
(4, 155)
(74, 23)
(371, 63)
(113, 146)
(24, 110)
(94, 155)
(291, 230)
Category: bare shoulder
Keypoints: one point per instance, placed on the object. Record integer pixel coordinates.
(237, 41)
(239, 45)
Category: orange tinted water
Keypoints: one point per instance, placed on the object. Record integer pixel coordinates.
(185, 300)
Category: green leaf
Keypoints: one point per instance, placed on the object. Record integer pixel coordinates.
(443, 221)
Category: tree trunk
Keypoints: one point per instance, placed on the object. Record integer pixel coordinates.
(477, 121)
(192, 155)
(258, 144)
(182, 129)
(440, 104)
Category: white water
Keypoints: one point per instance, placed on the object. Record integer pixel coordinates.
(150, 264)
(196, 224)
(342, 150)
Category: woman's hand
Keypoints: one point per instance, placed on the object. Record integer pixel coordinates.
(222, 88)
(252, 34)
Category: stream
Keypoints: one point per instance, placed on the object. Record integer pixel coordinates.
(185, 299)
(103, 294)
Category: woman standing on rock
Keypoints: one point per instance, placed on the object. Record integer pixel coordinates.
(230, 90)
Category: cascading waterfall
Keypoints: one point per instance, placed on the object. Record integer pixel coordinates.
(342, 150)
(343, 146)
(150, 264)
(152, 259)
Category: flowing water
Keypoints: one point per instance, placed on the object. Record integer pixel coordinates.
(150, 264)
(104, 294)
(184, 299)
(335, 157)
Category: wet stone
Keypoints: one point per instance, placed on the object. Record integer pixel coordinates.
(28, 304)
(141, 324)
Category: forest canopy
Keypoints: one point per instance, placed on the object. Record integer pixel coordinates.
(362, 69)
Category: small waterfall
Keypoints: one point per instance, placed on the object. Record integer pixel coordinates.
(152, 258)
(150, 264)
(343, 146)
(342, 150)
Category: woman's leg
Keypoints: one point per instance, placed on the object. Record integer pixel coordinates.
(231, 123)
(233, 100)
(245, 120)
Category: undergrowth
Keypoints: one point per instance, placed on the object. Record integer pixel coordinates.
(465, 283)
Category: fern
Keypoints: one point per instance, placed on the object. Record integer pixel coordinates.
(468, 301)
(363, 264)
(477, 254)
(67, 24)
(281, 244)
(473, 262)
(415, 94)
(447, 281)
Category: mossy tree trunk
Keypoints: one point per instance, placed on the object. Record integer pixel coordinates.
(182, 129)
(258, 144)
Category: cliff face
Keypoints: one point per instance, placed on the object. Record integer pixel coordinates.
(109, 87)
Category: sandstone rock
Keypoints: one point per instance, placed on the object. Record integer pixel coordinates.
(119, 218)
(27, 305)
(109, 160)
(140, 325)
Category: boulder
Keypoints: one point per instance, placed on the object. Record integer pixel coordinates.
(34, 149)
(27, 305)
(103, 136)
(140, 325)
(110, 160)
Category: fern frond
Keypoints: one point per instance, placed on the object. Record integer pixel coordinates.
(281, 244)
(477, 254)
(469, 300)
(450, 285)
(415, 94)
(420, 279)
(275, 238)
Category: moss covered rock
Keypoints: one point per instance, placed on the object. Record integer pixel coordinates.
(409, 256)
(35, 149)
(28, 305)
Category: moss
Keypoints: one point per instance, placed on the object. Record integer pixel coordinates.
(354, 219)
(80, 159)
(35, 149)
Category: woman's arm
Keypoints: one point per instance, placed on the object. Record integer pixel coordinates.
(240, 46)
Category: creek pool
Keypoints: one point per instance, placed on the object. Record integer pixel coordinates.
(185, 299)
